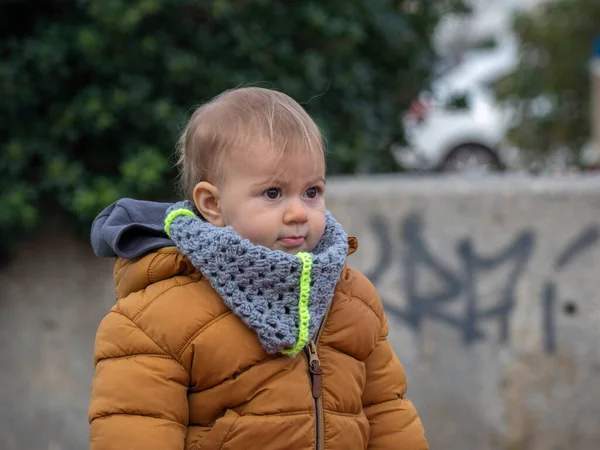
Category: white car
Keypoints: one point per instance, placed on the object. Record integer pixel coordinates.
(458, 126)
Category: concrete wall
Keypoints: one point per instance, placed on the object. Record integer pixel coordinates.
(490, 285)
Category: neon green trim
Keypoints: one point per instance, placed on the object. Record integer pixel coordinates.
(303, 312)
(173, 214)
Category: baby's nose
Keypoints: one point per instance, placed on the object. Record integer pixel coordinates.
(295, 212)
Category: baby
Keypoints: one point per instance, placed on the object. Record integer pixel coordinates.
(238, 323)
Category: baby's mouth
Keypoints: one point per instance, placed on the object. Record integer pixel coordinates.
(292, 241)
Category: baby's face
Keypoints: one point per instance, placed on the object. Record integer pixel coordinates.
(276, 204)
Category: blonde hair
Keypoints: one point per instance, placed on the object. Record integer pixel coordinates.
(232, 122)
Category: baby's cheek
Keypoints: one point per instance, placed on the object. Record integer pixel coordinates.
(321, 225)
(316, 235)
(258, 236)
(244, 231)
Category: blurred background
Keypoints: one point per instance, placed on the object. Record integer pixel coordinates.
(463, 143)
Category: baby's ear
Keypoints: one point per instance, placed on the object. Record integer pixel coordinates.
(206, 199)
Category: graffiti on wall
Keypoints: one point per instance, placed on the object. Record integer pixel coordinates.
(460, 285)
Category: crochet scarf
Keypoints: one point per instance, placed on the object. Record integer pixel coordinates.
(283, 298)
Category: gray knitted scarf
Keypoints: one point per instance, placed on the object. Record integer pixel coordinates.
(283, 298)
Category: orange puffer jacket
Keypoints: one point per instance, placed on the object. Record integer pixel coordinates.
(175, 369)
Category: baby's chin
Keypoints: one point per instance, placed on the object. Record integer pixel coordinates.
(292, 250)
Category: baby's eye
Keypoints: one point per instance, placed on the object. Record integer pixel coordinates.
(312, 192)
(272, 193)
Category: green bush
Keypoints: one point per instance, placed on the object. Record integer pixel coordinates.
(557, 40)
(95, 92)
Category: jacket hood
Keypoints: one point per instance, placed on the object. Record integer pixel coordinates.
(130, 228)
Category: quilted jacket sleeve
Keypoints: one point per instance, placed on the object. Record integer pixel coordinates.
(139, 393)
(393, 419)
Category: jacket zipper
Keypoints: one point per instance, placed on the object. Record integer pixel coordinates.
(315, 371)
(314, 367)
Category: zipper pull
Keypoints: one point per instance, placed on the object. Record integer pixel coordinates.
(314, 367)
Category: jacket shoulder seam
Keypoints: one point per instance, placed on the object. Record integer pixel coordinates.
(150, 269)
(151, 302)
(365, 304)
(118, 275)
(350, 271)
(109, 415)
(167, 353)
(134, 355)
(202, 328)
